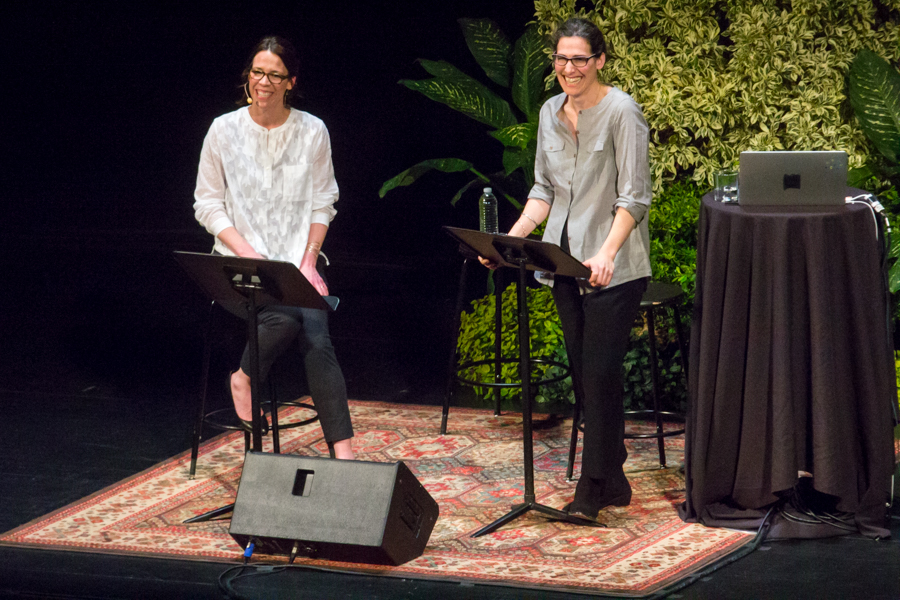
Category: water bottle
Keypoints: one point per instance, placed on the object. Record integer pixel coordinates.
(487, 212)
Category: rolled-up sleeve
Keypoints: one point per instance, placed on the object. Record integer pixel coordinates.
(633, 187)
(543, 187)
(209, 195)
(325, 188)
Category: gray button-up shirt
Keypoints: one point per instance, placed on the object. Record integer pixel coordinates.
(585, 180)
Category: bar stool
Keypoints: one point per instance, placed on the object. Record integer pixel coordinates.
(658, 295)
(216, 418)
(498, 360)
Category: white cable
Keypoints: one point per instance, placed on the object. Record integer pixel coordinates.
(856, 200)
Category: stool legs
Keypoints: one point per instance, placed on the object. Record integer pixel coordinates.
(573, 439)
(204, 386)
(498, 330)
(654, 370)
(273, 403)
(681, 347)
(451, 367)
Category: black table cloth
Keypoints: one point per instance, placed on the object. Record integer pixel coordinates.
(791, 365)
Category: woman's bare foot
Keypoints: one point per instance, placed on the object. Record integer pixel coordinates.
(240, 394)
(343, 450)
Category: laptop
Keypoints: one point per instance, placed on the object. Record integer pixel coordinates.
(793, 178)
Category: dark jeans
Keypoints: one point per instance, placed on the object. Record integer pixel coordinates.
(279, 328)
(595, 327)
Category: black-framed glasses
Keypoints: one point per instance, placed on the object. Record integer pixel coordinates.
(276, 78)
(560, 60)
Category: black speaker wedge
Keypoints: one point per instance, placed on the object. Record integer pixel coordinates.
(345, 510)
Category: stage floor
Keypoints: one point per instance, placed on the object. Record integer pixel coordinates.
(96, 389)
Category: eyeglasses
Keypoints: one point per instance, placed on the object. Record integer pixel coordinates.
(274, 78)
(579, 61)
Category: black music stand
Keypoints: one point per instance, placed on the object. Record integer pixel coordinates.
(242, 286)
(525, 255)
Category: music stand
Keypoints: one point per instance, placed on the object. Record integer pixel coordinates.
(242, 286)
(524, 255)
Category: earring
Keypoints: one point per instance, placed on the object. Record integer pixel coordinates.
(247, 92)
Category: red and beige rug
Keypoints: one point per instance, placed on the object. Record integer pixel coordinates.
(474, 473)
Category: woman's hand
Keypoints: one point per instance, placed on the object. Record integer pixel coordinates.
(237, 244)
(488, 263)
(309, 271)
(602, 264)
(602, 267)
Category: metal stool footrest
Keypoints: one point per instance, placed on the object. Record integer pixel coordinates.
(298, 404)
(514, 384)
(649, 413)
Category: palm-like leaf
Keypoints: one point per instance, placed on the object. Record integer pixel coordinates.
(894, 273)
(490, 47)
(529, 64)
(460, 92)
(446, 165)
(516, 136)
(858, 176)
(515, 158)
(875, 97)
(464, 189)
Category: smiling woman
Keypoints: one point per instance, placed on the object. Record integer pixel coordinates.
(592, 185)
(266, 189)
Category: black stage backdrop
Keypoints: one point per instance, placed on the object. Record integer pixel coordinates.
(107, 105)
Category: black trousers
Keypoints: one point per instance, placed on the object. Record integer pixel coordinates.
(595, 328)
(278, 328)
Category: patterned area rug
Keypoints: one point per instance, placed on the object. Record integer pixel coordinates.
(475, 475)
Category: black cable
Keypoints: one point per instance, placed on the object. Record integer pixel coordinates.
(712, 568)
(809, 515)
(226, 584)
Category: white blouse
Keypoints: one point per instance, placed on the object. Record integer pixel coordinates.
(269, 184)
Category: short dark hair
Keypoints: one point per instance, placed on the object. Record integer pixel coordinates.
(577, 27)
(284, 50)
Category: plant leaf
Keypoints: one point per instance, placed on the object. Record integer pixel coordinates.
(875, 97)
(463, 190)
(462, 93)
(501, 183)
(514, 158)
(443, 70)
(857, 177)
(529, 66)
(490, 47)
(516, 136)
(446, 165)
(894, 278)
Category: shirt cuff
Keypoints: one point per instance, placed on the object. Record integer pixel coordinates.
(637, 210)
(220, 225)
(539, 192)
(323, 216)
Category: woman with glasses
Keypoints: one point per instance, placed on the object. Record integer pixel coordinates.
(266, 189)
(592, 185)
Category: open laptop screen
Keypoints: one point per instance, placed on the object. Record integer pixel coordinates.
(793, 178)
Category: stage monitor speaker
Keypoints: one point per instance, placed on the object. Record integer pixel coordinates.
(346, 510)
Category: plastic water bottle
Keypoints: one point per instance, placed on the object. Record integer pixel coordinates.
(487, 211)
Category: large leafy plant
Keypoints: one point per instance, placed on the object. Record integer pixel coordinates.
(874, 89)
(520, 69)
(715, 77)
